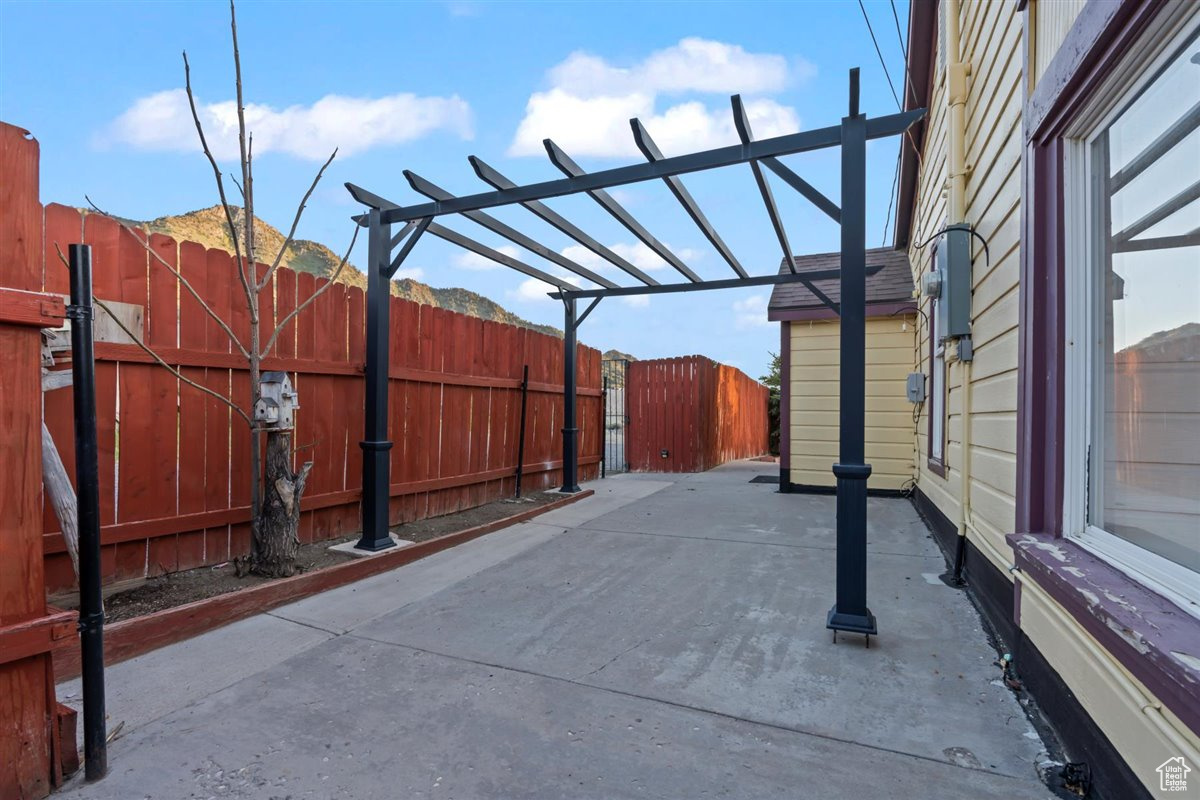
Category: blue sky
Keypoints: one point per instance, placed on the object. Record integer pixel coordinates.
(423, 85)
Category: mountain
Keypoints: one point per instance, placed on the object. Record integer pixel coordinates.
(612, 369)
(207, 226)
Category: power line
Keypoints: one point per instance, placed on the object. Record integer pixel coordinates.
(903, 51)
(887, 220)
(879, 53)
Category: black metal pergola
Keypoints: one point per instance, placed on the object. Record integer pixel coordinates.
(388, 250)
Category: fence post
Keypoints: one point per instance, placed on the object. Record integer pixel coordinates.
(521, 439)
(87, 479)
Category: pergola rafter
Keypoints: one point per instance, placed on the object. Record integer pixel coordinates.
(850, 612)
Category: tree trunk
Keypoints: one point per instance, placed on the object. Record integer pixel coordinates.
(278, 540)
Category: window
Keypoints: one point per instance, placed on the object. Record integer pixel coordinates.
(1133, 318)
(937, 390)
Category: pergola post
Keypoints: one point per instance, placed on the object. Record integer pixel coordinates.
(570, 432)
(375, 445)
(850, 612)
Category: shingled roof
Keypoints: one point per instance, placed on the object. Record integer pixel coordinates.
(888, 290)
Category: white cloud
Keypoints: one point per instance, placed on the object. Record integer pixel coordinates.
(751, 312)
(163, 121)
(635, 253)
(412, 273)
(464, 8)
(466, 259)
(535, 290)
(636, 300)
(692, 65)
(589, 103)
(532, 290)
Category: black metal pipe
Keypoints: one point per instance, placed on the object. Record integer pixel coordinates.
(850, 612)
(960, 557)
(521, 438)
(604, 428)
(87, 482)
(570, 432)
(376, 473)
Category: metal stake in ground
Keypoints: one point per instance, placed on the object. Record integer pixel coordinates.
(87, 479)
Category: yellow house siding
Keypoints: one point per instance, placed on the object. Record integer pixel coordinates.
(1142, 730)
(1050, 20)
(814, 388)
(991, 38)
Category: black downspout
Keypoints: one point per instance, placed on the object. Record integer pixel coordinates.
(570, 432)
(521, 438)
(87, 481)
(960, 557)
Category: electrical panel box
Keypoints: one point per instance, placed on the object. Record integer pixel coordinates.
(916, 387)
(954, 289)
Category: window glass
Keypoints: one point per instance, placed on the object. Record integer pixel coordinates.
(1143, 481)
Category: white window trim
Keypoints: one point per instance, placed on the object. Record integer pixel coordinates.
(1173, 581)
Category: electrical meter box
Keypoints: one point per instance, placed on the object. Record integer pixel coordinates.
(954, 289)
(916, 387)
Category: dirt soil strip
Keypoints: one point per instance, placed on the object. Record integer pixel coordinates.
(133, 637)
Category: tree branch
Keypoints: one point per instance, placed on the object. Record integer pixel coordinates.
(315, 295)
(145, 243)
(247, 266)
(233, 234)
(296, 222)
(237, 409)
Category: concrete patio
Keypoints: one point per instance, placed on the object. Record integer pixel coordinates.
(664, 638)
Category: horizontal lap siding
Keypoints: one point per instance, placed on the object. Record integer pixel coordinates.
(174, 463)
(991, 36)
(814, 404)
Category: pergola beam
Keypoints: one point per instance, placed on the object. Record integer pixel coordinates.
(564, 162)
(1186, 197)
(1156, 149)
(728, 283)
(788, 144)
(805, 188)
(467, 243)
(490, 175)
(431, 190)
(650, 150)
(741, 121)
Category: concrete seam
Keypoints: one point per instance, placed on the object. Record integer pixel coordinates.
(697, 709)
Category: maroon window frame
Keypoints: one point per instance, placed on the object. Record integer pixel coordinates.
(1095, 46)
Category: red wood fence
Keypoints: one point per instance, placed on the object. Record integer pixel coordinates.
(28, 628)
(699, 412)
(174, 463)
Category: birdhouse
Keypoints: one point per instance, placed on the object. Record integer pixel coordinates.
(277, 401)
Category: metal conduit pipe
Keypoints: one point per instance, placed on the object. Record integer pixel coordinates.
(957, 72)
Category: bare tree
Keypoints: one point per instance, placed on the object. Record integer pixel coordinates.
(275, 500)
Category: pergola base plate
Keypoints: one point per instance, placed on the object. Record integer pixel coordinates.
(851, 623)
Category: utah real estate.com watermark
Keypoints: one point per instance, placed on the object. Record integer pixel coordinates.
(1173, 775)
